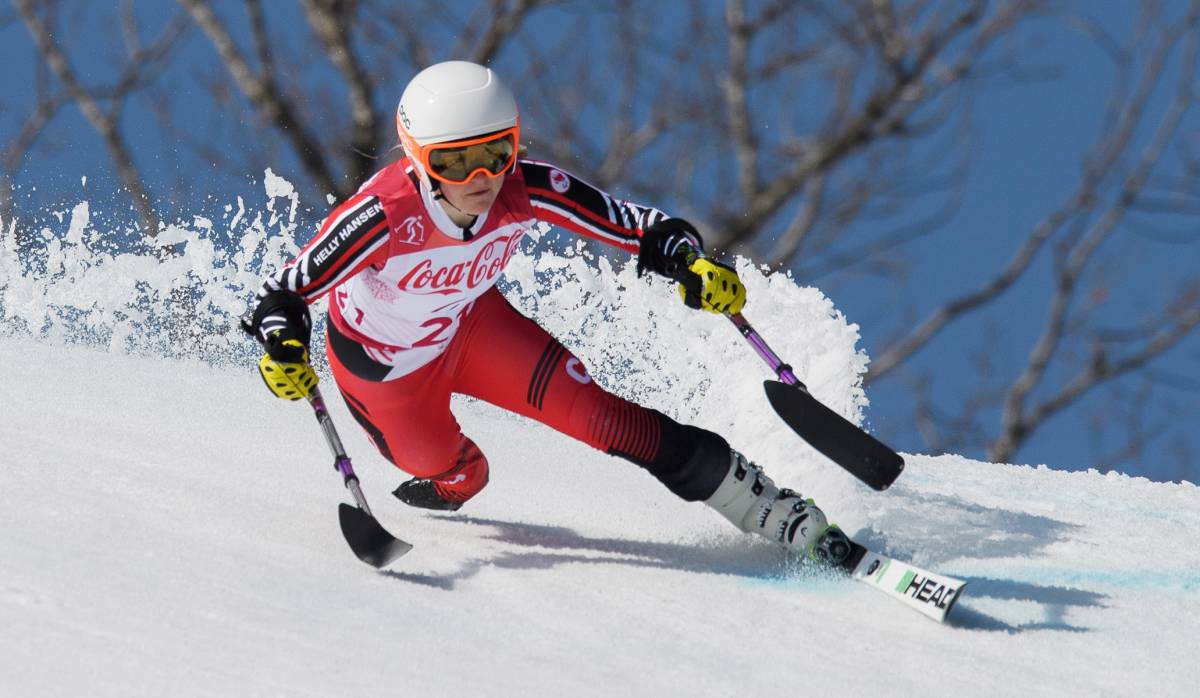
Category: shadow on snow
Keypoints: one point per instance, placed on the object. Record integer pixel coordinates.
(540, 544)
(545, 547)
(932, 529)
(1055, 601)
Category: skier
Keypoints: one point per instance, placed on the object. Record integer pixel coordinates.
(412, 261)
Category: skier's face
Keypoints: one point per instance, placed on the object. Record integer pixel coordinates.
(475, 195)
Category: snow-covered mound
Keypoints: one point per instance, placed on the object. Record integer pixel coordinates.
(170, 529)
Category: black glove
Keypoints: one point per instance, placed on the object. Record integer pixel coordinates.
(673, 248)
(667, 246)
(282, 324)
(279, 316)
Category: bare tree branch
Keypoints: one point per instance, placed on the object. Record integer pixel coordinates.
(406, 21)
(884, 113)
(626, 137)
(105, 123)
(505, 22)
(734, 84)
(330, 20)
(18, 148)
(274, 106)
(803, 223)
(1018, 422)
(1100, 165)
(1098, 371)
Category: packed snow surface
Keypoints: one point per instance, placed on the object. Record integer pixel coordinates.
(168, 528)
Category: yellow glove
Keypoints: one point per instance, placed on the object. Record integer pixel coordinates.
(711, 286)
(285, 369)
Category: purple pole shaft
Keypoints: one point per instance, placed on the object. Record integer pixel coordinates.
(777, 365)
(341, 461)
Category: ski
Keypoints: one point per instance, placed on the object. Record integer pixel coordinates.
(831, 434)
(932, 595)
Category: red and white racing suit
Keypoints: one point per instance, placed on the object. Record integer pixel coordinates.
(415, 316)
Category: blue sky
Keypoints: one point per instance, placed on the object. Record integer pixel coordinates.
(1027, 142)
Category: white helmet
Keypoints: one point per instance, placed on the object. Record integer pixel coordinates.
(449, 102)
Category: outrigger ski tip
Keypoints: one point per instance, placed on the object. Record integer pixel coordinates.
(364, 534)
(834, 436)
(368, 539)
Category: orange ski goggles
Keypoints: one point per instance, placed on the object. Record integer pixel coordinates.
(455, 162)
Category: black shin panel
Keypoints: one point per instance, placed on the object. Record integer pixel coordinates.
(690, 461)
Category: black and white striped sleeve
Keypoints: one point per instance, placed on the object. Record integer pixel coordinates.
(352, 237)
(563, 199)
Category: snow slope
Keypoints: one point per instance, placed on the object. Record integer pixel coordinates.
(170, 530)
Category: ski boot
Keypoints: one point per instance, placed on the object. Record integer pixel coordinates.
(451, 489)
(750, 499)
(419, 492)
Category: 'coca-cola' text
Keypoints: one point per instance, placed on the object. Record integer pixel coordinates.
(425, 279)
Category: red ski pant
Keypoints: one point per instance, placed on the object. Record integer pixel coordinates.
(504, 358)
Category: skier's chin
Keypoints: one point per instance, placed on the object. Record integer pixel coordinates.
(474, 197)
(477, 203)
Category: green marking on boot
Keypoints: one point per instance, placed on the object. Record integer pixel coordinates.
(905, 581)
